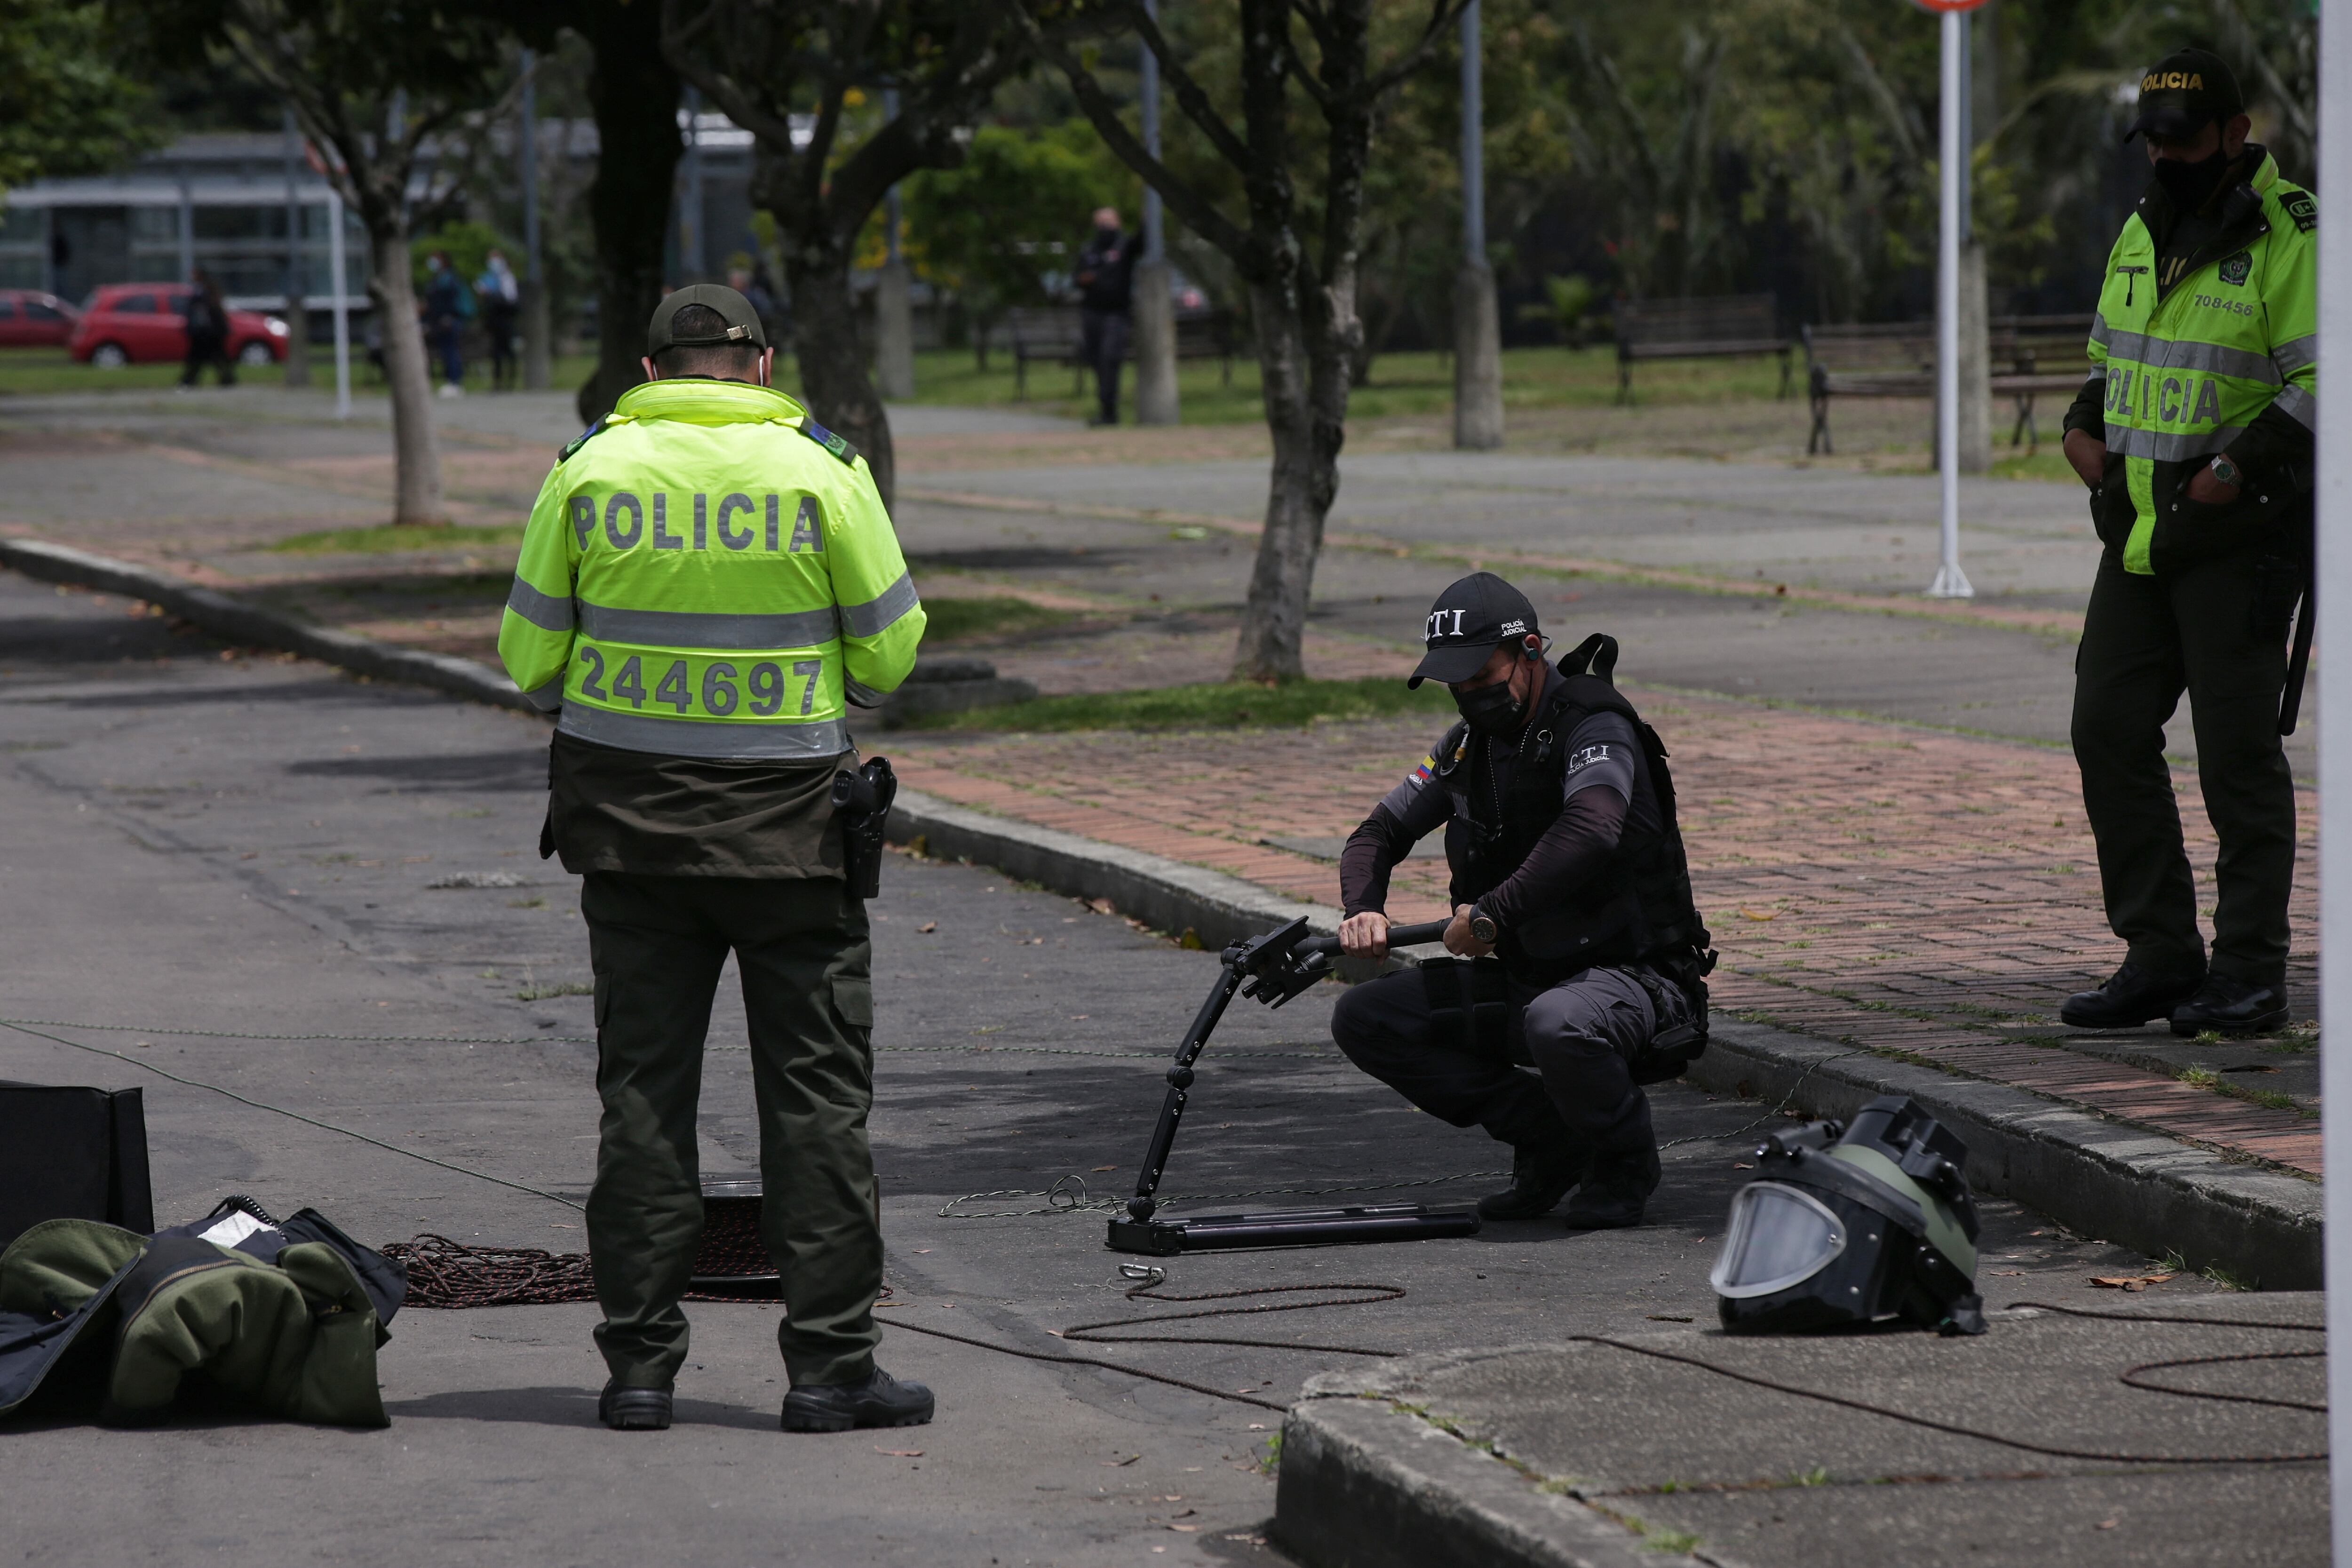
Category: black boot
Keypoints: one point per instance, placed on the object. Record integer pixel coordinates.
(880, 1401)
(634, 1409)
(1617, 1188)
(1541, 1174)
(2228, 1006)
(2132, 995)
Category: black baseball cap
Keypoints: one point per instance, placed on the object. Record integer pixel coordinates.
(1469, 620)
(743, 321)
(2184, 92)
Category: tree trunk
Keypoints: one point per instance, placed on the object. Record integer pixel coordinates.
(1299, 492)
(416, 452)
(833, 361)
(635, 95)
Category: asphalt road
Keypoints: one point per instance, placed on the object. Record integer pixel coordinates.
(202, 850)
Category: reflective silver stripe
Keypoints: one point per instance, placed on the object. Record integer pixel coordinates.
(723, 633)
(2099, 331)
(547, 698)
(2294, 354)
(545, 611)
(705, 738)
(2167, 354)
(877, 613)
(2171, 446)
(2299, 406)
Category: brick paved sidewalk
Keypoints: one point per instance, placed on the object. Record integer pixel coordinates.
(1904, 891)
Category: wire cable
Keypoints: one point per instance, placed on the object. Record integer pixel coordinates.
(294, 1115)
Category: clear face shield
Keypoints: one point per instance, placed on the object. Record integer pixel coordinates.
(1779, 1236)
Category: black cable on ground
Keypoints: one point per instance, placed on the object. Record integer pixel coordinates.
(295, 1115)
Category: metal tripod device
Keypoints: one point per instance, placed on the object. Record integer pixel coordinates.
(1271, 969)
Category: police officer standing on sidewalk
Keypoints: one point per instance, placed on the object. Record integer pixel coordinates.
(1584, 954)
(706, 574)
(2194, 433)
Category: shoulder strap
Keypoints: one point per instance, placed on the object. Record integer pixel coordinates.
(829, 441)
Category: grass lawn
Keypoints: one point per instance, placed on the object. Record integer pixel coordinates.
(1221, 706)
(386, 537)
(1402, 383)
(951, 620)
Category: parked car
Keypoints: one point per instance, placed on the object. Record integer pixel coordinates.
(31, 319)
(128, 322)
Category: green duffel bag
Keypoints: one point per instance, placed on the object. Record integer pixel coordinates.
(284, 1319)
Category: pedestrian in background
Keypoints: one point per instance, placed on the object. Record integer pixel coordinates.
(444, 321)
(706, 577)
(2194, 433)
(208, 330)
(499, 296)
(1106, 280)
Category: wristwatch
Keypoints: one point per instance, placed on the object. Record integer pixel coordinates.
(2228, 472)
(1482, 925)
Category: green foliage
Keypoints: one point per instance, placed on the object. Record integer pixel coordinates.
(1224, 706)
(468, 246)
(66, 108)
(1014, 211)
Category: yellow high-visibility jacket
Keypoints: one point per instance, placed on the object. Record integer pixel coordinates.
(2221, 358)
(705, 574)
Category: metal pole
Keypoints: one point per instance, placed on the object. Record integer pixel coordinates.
(2333, 583)
(536, 349)
(187, 233)
(343, 305)
(1950, 582)
(1478, 316)
(298, 316)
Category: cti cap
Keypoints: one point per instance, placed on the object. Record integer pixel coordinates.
(1468, 622)
(2184, 92)
(743, 321)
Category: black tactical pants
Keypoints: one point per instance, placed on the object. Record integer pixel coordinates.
(1579, 1036)
(2210, 631)
(1102, 348)
(657, 944)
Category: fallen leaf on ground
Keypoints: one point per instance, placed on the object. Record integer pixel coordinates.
(902, 1453)
(2006, 1273)
(1751, 914)
(921, 1250)
(1120, 1464)
(1101, 906)
(1106, 1167)
(2108, 1523)
(2128, 1281)
(1187, 1529)
(927, 927)
(1257, 1426)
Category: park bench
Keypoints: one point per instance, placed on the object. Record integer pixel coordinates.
(1053, 334)
(2028, 356)
(1697, 328)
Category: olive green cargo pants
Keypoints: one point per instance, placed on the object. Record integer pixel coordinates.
(657, 944)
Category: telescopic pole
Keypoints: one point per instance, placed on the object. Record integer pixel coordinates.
(1950, 582)
(2333, 583)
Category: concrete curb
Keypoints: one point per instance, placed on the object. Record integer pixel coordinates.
(1364, 1484)
(238, 622)
(2106, 1179)
(1163, 893)
(2102, 1178)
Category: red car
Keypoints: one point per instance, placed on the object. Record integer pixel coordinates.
(124, 322)
(31, 319)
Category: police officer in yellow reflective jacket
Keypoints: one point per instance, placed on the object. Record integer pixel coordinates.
(707, 576)
(2194, 433)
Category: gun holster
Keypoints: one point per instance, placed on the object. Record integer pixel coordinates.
(862, 800)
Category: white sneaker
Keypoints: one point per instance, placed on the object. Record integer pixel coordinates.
(451, 389)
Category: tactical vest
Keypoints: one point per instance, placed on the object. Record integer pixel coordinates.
(1639, 908)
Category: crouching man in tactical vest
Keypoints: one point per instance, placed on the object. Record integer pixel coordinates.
(1580, 953)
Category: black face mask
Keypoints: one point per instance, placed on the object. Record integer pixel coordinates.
(2190, 186)
(1492, 710)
